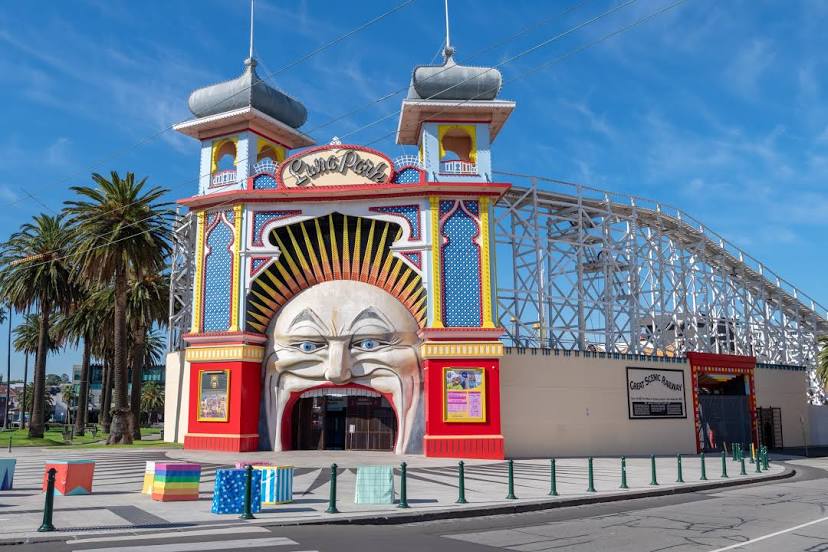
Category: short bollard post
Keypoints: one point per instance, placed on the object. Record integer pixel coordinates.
(653, 479)
(461, 483)
(590, 476)
(679, 478)
(724, 465)
(703, 469)
(511, 493)
(624, 473)
(553, 484)
(403, 491)
(247, 510)
(48, 508)
(751, 453)
(734, 448)
(765, 460)
(332, 498)
(10, 440)
(742, 463)
(758, 463)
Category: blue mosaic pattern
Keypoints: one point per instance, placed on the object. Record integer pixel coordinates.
(218, 274)
(228, 494)
(262, 218)
(264, 182)
(211, 218)
(461, 271)
(409, 175)
(257, 263)
(410, 212)
(446, 205)
(472, 207)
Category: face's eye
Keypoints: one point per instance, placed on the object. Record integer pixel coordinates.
(369, 344)
(307, 346)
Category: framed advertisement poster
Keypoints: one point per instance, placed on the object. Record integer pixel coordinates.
(464, 394)
(213, 395)
(655, 393)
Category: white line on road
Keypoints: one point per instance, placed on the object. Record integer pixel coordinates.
(198, 546)
(173, 534)
(771, 535)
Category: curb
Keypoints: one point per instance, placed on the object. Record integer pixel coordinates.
(480, 511)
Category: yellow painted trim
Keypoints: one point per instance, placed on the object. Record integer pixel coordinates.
(220, 353)
(482, 391)
(279, 150)
(485, 263)
(217, 146)
(471, 130)
(436, 296)
(236, 291)
(226, 417)
(198, 292)
(461, 349)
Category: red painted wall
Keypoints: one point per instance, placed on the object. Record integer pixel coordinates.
(433, 376)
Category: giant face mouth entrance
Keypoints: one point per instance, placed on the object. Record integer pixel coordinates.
(343, 418)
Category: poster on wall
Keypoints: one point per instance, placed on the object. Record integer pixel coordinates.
(464, 394)
(213, 396)
(655, 393)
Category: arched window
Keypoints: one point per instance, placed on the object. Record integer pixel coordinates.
(458, 149)
(224, 157)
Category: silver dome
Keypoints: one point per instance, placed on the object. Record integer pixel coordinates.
(450, 81)
(248, 90)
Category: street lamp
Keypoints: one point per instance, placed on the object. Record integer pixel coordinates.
(8, 374)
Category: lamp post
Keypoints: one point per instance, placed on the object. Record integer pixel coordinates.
(8, 374)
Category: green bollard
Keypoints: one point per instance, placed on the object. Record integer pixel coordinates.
(10, 441)
(403, 491)
(553, 484)
(758, 464)
(703, 469)
(247, 510)
(679, 479)
(461, 487)
(765, 460)
(724, 465)
(742, 462)
(49, 507)
(624, 473)
(653, 480)
(511, 494)
(734, 451)
(332, 499)
(590, 476)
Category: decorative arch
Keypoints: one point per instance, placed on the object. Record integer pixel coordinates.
(226, 146)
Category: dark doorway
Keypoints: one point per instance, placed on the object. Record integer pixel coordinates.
(338, 421)
(724, 411)
(770, 427)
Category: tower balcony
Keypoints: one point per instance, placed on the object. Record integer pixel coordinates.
(265, 166)
(223, 178)
(458, 168)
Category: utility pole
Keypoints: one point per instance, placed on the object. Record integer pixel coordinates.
(8, 373)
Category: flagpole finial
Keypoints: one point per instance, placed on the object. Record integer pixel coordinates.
(251, 30)
(448, 51)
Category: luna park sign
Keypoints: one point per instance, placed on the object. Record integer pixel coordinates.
(335, 166)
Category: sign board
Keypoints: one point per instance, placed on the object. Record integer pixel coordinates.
(464, 394)
(335, 165)
(213, 395)
(655, 393)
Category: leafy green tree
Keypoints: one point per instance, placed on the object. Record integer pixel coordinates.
(34, 273)
(822, 360)
(48, 401)
(119, 226)
(152, 400)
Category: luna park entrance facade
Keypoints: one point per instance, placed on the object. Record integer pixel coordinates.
(343, 418)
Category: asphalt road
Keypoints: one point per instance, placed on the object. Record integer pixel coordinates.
(788, 516)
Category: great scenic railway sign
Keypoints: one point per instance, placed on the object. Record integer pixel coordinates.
(335, 166)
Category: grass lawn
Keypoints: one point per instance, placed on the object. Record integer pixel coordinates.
(54, 438)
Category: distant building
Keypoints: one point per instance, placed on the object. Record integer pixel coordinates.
(154, 373)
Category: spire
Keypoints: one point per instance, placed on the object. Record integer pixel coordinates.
(448, 51)
(251, 29)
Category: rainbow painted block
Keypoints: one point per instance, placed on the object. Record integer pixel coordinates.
(374, 485)
(228, 494)
(7, 473)
(277, 484)
(175, 481)
(149, 477)
(73, 477)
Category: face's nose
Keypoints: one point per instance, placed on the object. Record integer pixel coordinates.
(338, 369)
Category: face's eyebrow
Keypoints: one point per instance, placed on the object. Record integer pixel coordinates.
(371, 315)
(308, 316)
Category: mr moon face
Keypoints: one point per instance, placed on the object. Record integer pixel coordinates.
(339, 333)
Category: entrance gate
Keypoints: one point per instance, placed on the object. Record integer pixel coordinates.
(344, 422)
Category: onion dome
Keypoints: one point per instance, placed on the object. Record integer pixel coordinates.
(451, 81)
(248, 90)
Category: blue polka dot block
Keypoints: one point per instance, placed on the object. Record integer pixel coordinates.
(228, 494)
(7, 473)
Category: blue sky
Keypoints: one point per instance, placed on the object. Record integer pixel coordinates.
(716, 107)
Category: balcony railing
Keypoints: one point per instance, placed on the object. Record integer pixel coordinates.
(458, 167)
(265, 166)
(223, 178)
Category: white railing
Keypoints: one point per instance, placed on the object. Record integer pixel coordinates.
(223, 178)
(457, 167)
(407, 161)
(265, 166)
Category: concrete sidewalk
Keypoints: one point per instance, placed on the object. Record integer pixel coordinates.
(117, 504)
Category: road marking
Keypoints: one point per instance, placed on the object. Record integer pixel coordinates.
(197, 546)
(173, 534)
(770, 535)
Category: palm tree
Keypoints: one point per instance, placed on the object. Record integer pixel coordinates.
(822, 360)
(26, 401)
(148, 305)
(118, 226)
(34, 272)
(152, 400)
(25, 341)
(68, 394)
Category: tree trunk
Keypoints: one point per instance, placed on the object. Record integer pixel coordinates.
(106, 396)
(83, 391)
(38, 404)
(137, 364)
(23, 403)
(120, 433)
